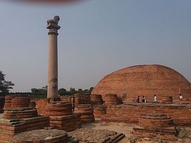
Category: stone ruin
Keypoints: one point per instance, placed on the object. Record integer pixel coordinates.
(19, 117)
(50, 120)
(181, 113)
(60, 113)
(151, 123)
(62, 116)
(63, 111)
(86, 113)
(156, 126)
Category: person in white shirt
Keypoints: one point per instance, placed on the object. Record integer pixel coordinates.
(155, 98)
(144, 100)
(181, 97)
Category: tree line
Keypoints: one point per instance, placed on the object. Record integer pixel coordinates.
(5, 87)
(61, 91)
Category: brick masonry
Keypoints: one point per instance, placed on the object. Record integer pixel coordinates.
(144, 80)
(130, 113)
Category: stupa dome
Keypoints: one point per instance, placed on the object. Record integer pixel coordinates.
(144, 80)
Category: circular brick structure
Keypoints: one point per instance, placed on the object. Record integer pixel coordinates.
(58, 109)
(144, 80)
(155, 121)
(41, 136)
(86, 112)
(157, 125)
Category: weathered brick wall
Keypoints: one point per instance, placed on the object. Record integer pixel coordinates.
(41, 104)
(130, 113)
(86, 112)
(9, 128)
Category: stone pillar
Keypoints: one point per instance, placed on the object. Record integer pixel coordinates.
(52, 25)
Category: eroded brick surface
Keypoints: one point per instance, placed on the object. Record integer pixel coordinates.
(144, 80)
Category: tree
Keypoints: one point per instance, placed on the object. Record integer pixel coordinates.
(91, 88)
(72, 90)
(62, 91)
(5, 86)
(39, 91)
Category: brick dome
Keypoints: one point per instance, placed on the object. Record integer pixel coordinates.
(144, 80)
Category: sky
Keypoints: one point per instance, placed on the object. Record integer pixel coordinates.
(97, 37)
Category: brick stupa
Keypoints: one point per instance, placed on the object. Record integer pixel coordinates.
(144, 80)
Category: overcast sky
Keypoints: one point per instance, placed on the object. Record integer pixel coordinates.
(97, 37)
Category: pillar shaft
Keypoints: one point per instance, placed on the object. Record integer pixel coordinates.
(53, 58)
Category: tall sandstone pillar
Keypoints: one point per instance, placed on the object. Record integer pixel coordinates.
(52, 25)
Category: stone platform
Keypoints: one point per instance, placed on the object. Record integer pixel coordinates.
(11, 127)
(19, 117)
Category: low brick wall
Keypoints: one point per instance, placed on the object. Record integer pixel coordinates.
(9, 128)
(130, 113)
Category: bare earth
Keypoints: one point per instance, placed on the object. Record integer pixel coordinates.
(127, 129)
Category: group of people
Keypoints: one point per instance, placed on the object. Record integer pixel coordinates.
(154, 99)
(143, 100)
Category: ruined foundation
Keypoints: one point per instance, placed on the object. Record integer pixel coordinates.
(62, 117)
(86, 113)
(18, 117)
(41, 136)
(156, 126)
(60, 113)
(130, 113)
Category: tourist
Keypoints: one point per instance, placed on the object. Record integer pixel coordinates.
(155, 98)
(144, 100)
(138, 99)
(181, 97)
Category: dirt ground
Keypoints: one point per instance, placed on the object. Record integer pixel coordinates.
(127, 129)
(118, 127)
